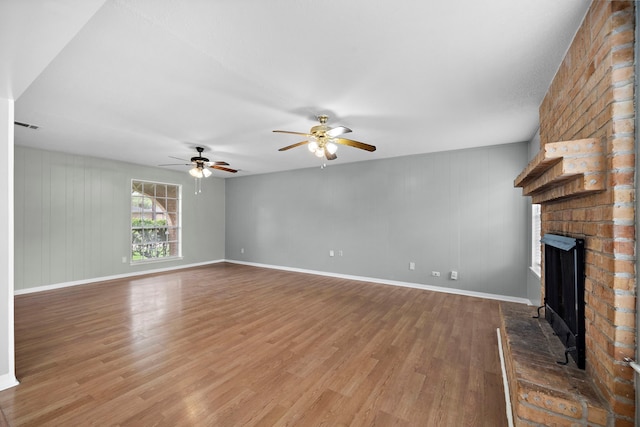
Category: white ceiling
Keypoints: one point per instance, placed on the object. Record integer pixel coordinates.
(142, 80)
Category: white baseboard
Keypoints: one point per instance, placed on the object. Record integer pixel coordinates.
(278, 267)
(105, 278)
(390, 282)
(8, 381)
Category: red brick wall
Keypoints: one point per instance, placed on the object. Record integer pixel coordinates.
(591, 96)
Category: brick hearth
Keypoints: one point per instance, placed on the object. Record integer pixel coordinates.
(544, 392)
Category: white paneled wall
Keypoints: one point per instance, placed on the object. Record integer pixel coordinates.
(73, 217)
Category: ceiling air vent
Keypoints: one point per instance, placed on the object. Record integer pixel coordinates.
(27, 125)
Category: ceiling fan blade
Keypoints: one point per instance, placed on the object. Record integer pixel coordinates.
(178, 158)
(338, 130)
(222, 168)
(356, 144)
(293, 133)
(298, 144)
(221, 163)
(328, 155)
(176, 164)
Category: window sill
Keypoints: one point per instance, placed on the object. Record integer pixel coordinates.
(156, 260)
(537, 272)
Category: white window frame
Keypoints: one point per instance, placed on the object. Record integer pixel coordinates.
(536, 235)
(147, 245)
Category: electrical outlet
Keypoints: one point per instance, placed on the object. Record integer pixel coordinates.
(340, 252)
(435, 273)
(412, 265)
(124, 259)
(241, 250)
(454, 275)
(331, 253)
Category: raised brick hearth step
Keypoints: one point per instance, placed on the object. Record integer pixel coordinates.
(544, 392)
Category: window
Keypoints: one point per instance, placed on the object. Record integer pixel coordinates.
(155, 221)
(536, 247)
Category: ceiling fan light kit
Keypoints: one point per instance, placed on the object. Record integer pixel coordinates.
(323, 140)
(199, 172)
(318, 148)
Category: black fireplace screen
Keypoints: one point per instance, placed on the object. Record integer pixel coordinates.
(564, 292)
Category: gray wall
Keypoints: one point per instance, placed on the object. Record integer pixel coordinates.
(455, 210)
(72, 217)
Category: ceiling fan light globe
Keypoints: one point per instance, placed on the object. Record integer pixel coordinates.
(313, 146)
(319, 152)
(196, 172)
(332, 148)
(206, 173)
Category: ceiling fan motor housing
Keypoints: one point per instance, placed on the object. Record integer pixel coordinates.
(199, 159)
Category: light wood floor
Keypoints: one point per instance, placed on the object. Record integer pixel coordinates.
(231, 345)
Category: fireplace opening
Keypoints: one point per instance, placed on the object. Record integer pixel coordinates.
(564, 293)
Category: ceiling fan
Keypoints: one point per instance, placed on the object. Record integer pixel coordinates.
(322, 139)
(201, 164)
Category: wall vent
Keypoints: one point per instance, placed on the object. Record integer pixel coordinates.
(27, 125)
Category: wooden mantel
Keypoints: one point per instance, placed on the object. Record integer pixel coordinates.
(563, 170)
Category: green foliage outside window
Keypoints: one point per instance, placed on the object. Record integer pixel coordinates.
(149, 239)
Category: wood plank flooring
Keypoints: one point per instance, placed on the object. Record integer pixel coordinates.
(232, 345)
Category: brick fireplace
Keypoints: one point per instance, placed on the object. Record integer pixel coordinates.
(584, 179)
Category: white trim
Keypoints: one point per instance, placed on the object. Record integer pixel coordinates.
(475, 294)
(391, 282)
(156, 260)
(507, 393)
(536, 249)
(178, 213)
(8, 381)
(105, 278)
(536, 271)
